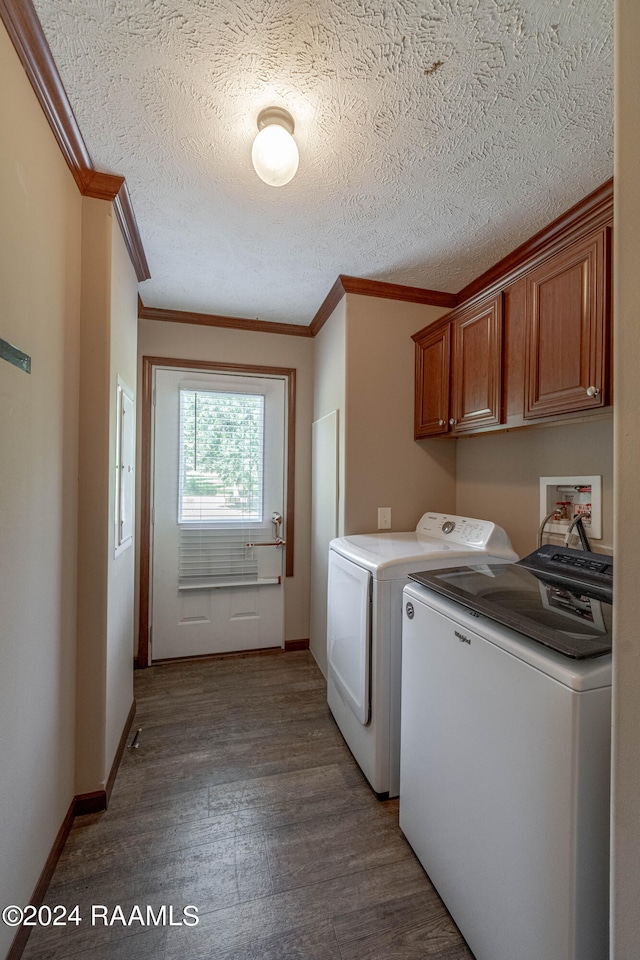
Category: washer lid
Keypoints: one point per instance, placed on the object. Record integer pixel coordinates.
(570, 618)
(578, 675)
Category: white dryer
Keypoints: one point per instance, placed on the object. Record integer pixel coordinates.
(367, 574)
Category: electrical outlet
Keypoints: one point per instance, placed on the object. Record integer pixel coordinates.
(384, 518)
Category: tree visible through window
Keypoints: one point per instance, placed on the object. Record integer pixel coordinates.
(221, 456)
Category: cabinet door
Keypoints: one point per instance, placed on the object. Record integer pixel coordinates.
(476, 393)
(433, 350)
(566, 327)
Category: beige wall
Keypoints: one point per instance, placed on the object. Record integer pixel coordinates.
(105, 582)
(498, 476)
(40, 280)
(330, 382)
(385, 467)
(190, 342)
(364, 368)
(93, 530)
(625, 917)
(121, 569)
(40, 230)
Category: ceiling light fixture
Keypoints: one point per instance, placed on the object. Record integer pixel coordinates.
(275, 153)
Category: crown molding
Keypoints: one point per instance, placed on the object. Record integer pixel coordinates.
(343, 285)
(398, 291)
(25, 30)
(377, 288)
(26, 33)
(213, 320)
(125, 216)
(27, 36)
(591, 212)
(327, 307)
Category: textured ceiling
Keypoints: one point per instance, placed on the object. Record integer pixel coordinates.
(434, 135)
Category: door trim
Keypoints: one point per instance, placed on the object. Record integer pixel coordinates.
(148, 366)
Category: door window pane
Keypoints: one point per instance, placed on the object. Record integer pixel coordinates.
(221, 456)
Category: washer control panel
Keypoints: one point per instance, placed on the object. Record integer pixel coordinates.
(467, 532)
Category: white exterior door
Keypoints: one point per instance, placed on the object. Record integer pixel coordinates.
(218, 482)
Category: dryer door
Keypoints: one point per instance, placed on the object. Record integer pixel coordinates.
(349, 633)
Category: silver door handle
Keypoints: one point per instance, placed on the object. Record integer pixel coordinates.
(270, 543)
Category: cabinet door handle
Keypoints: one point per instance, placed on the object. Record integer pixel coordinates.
(593, 391)
(452, 422)
(441, 423)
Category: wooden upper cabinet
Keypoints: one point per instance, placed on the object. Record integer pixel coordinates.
(459, 371)
(476, 366)
(567, 330)
(532, 341)
(433, 359)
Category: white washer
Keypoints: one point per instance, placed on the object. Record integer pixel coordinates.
(504, 793)
(367, 573)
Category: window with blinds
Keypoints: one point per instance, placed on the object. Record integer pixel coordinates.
(221, 479)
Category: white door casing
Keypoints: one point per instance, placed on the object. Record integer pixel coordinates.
(211, 593)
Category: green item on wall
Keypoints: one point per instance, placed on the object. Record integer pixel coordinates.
(13, 355)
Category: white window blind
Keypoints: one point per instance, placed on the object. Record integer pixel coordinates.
(221, 472)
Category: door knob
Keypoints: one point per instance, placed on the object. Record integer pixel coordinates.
(276, 520)
(441, 423)
(593, 391)
(452, 422)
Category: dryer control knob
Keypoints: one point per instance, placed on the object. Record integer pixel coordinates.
(448, 526)
(410, 611)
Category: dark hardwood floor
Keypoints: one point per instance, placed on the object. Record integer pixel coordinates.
(243, 801)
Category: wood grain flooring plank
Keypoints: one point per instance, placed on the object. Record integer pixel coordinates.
(333, 846)
(273, 916)
(313, 942)
(145, 945)
(435, 937)
(245, 807)
(243, 799)
(112, 889)
(409, 927)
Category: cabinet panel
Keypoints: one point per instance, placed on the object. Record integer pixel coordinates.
(433, 350)
(566, 327)
(476, 396)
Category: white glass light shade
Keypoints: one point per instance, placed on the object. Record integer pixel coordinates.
(275, 155)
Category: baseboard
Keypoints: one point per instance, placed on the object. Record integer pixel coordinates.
(236, 654)
(90, 802)
(20, 940)
(119, 752)
(98, 800)
(81, 804)
(289, 645)
(296, 645)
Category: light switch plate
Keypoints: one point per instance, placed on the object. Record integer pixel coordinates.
(384, 518)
